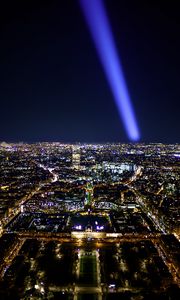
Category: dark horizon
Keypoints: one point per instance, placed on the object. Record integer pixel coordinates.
(87, 143)
(53, 87)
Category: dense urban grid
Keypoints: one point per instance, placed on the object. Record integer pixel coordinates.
(87, 221)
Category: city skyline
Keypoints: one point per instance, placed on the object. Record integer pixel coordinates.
(89, 222)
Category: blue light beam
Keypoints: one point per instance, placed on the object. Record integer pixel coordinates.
(100, 30)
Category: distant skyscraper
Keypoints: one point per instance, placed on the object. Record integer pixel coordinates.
(76, 157)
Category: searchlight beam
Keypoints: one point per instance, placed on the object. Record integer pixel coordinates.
(97, 21)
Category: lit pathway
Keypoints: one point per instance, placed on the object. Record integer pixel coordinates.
(85, 289)
(10, 256)
(19, 203)
(167, 259)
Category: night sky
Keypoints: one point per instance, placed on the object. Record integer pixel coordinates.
(52, 85)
